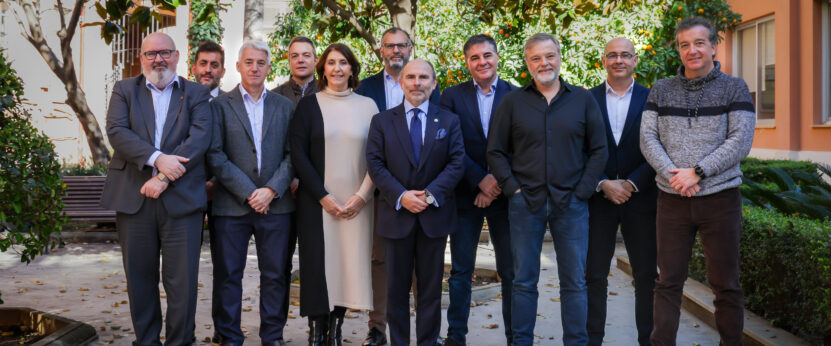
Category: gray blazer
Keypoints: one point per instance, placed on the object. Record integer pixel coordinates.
(233, 159)
(130, 129)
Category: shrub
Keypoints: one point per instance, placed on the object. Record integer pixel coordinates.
(785, 270)
(83, 170)
(30, 183)
(753, 168)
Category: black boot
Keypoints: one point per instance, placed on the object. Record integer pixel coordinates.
(335, 323)
(318, 330)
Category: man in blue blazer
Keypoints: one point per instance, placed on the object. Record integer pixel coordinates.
(415, 156)
(249, 155)
(626, 195)
(385, 89)
(478, 194)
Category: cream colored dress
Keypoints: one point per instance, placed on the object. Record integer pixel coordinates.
(348, 243)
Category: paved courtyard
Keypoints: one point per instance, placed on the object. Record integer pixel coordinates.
(86, 282)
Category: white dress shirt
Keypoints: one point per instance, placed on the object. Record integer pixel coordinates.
(617, 106)
(392, 90)
(485, 102)
(214, 93)
(255, 117)
(161, 103)
(408, 112)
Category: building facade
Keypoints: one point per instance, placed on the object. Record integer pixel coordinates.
(782, 49)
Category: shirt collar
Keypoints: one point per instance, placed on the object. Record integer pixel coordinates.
(493, 86)
(215, 92)
(245, 94)
(424, 106)
(302, 87)
(152, 86)
(610, 90)
(389, 77)
(563, 86)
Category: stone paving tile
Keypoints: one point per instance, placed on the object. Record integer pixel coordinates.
(86, 282)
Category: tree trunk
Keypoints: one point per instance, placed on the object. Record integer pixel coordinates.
(403, 15)
(77, 100)
(253, 20)
(64, 68)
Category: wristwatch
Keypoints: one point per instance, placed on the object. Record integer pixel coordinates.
(163, 178)
(430, 199)
(699, 172)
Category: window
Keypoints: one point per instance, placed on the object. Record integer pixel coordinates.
(826, 63)
(756, 62)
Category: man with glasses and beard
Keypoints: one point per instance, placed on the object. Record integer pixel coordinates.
(385, 89)
(547, 150)
(159, 127)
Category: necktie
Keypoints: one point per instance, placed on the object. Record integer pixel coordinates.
(415, 133)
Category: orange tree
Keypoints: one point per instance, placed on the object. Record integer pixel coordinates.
(583, 27)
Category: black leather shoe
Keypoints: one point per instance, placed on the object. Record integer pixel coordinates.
(375, 337)
(216, 340)
(335, 323)
(318, 330)
(279, 342)
(451, 342)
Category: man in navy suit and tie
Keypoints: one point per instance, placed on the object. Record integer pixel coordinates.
(415, 156)
(385, 89)
(626, 195)
(478, 194)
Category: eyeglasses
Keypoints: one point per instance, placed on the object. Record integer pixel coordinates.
(625, 56)
(392, 46)
(165, 54)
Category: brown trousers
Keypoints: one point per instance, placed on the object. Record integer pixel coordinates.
(717, 218)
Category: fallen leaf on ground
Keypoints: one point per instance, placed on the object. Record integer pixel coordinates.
(612, 293)
(83, 289)
(555, 299)
(491, 326)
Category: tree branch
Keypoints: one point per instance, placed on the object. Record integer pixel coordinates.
(61, 16)
(353, 20)
(75, 18)
(35, 36)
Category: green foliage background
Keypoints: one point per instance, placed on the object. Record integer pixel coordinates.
(205, 26)
(583, 28)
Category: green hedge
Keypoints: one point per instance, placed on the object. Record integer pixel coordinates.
(753, 168)
(785, 271)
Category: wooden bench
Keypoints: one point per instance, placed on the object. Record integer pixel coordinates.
(82, 197)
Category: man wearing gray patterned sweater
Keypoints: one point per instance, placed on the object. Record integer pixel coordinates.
(695, 129)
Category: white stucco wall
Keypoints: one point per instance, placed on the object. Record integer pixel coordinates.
(45, 93)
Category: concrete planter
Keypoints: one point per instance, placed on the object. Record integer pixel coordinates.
(478, 293)
(58, 330)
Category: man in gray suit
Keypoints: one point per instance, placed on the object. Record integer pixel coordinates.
(249, 156)
(159, 127)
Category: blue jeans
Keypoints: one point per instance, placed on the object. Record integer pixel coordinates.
(569, 229)
(463, 245)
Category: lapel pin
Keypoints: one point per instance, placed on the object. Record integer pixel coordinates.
(435, 120)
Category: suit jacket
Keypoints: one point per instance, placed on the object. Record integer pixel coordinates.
(625, 158)
(462, 100)
(373, 87)
(131, 130)
(392, 167)
(233, 157)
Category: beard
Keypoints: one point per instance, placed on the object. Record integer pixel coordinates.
(547, 78)
(159, 78)
(396, 65)
(214, 81)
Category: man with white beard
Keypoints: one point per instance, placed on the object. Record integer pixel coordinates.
(159, 126)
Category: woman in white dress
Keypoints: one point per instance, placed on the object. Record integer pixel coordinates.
(328, 145)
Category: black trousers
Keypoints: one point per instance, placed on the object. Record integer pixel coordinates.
(144, 236)
(426, 255)
(638, 229)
